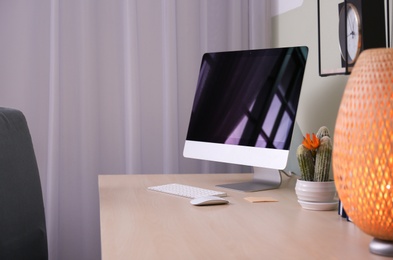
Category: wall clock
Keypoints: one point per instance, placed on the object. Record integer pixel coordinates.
(346, 28)
(349, 33)
(361, 26)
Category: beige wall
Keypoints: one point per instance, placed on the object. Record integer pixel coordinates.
(321, 96)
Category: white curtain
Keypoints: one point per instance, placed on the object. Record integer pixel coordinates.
(107, 88)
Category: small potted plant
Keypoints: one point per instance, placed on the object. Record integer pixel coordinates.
(314, 156)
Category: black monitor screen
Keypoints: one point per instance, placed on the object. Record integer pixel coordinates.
(248, 97)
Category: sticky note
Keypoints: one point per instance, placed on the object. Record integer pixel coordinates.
(260, 199)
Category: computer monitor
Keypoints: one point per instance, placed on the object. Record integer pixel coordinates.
(244, 111)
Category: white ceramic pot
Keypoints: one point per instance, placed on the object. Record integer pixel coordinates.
(310, 191)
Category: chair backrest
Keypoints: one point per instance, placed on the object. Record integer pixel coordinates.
(22, 216)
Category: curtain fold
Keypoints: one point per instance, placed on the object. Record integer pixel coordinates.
(107, 88)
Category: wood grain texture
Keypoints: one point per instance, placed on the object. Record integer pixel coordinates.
(140, 224)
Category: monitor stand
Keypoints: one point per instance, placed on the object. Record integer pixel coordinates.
(263, 179)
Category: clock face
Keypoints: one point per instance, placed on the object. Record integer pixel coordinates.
(350, 40)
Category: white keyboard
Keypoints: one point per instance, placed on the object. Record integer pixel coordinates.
(186, 191)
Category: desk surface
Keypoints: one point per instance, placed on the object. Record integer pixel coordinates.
(141, 224)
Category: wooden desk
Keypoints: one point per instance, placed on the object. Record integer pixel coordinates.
(141, 224)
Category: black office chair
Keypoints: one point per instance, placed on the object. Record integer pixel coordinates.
(22, 217)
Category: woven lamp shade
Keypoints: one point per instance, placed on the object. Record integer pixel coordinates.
(363, 144)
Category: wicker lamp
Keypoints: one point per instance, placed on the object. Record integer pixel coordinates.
(363, 148)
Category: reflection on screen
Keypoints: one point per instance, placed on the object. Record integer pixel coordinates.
(248, 98)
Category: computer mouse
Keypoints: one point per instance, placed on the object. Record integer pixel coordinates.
(208, 200)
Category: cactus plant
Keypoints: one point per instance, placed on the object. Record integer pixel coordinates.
(323, 131)
(306, 163)
(314, 156)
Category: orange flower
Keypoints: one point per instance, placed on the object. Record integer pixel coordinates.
(309, 143)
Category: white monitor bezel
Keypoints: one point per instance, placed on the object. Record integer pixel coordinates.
(251, 156)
